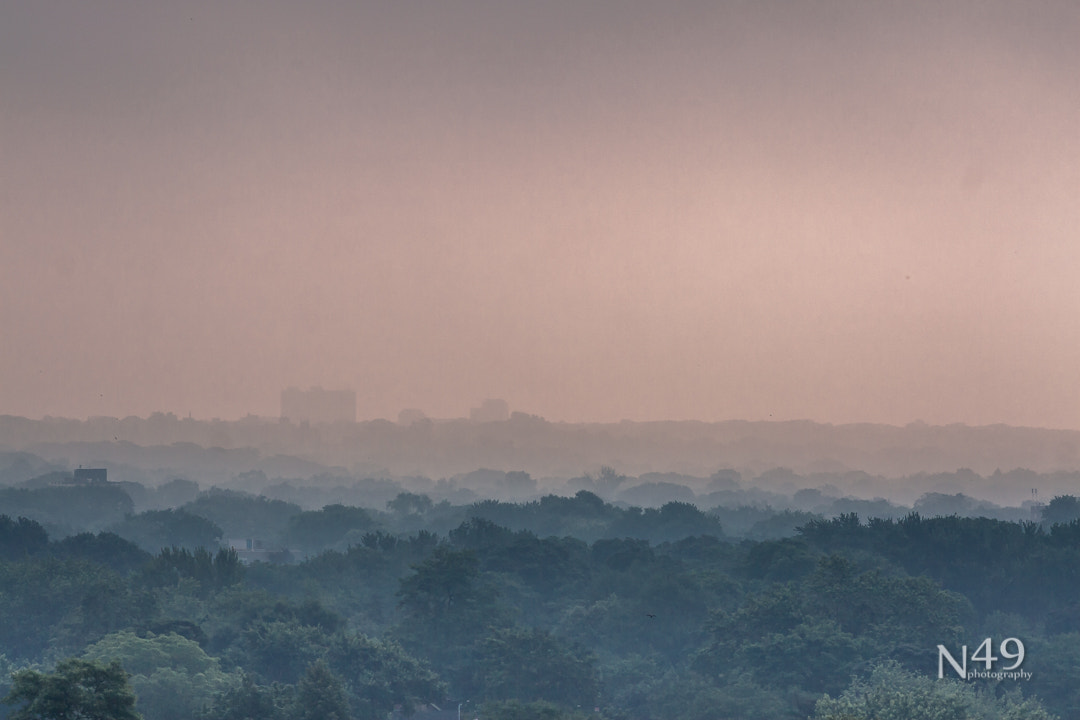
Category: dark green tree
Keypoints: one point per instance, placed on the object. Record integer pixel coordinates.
(240, 514)
(154, 530)
(530, 664)
(517, 710)
(320, 695)
(381, 675)
(77, 690)
(816, 656)
(212, 571)
(105, 548)
(444, 599)
(1062, 509)
(319, 529)
(280, 651)
(249, 701)
(82, 507)
(22, 537)
(892, 693)
(407, 503)
(445, 609)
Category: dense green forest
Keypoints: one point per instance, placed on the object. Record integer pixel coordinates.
(562, 607)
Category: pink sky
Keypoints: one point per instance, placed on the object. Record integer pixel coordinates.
(838, 211)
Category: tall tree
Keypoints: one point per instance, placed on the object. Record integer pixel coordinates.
(381, 675)
(892, 693)
(530, 664)
(320, 695)
(78, 690)
(446, 608)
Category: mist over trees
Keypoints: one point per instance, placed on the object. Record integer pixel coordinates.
(280, 587)
(217, 450)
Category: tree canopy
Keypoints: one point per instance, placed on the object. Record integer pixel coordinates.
(77, 690)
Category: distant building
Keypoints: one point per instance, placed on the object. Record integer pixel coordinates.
(90, 476)
(490, 411)
(318, 406)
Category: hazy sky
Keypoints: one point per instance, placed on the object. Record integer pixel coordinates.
(843, 211)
